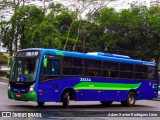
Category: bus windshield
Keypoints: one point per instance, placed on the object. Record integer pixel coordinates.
(24, 70)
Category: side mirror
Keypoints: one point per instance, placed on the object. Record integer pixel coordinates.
(45, 61)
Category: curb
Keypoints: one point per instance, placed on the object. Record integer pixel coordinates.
(156, 99)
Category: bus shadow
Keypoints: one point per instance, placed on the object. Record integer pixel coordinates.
(78, 107)
(51, 111)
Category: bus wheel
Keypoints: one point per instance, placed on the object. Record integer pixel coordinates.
(40, 104)
(66, 100)
(106, 103)
(131, 99)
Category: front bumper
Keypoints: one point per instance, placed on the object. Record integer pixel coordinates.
(30, 96)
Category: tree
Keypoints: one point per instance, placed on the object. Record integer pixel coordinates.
(29, 18)
(108, 22)
(10, 30)
(134, 32)
(45, 35)
(81, 6)
(154, 29)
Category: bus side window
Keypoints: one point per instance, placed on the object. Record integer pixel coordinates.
(55, 67)
(48, 70)
(52, 67)
(51, 71)
(151, 73)
(92, 73)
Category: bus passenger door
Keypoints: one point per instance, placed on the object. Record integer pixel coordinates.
(50, 73)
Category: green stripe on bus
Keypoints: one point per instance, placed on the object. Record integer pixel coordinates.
(105, 86)
(59, 53)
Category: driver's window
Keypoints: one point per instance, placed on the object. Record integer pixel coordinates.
(55, 67)
(52, 70)
(20, 67)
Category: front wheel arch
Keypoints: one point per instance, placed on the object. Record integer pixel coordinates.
(71, 92)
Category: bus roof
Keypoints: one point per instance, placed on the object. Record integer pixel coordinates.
(95, 56)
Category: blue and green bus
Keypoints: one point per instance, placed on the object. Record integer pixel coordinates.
(51, 75)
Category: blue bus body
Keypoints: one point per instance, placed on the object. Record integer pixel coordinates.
(85, 88)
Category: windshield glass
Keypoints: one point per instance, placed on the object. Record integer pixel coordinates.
(24, 70)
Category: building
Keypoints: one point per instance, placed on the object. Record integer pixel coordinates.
(4, 69)
(154, 2)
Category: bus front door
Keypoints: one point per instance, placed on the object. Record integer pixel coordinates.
(49, 75)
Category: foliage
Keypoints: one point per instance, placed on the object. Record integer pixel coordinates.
(131, 31)
(134, 32)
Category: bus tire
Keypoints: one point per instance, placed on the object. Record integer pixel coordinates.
(40, 104)
(130, 101)
(106, 103)
(66, 100)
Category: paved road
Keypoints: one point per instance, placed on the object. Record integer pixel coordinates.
(91, 110)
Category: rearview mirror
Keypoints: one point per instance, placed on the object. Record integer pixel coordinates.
(45, 61)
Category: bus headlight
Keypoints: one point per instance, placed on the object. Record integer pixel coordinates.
(31, 88)
(9, 87)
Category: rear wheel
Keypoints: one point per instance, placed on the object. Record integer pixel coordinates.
(40, 104)
(131, 99)
(106, 103)
(66, 100)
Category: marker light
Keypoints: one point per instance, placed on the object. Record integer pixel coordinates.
(31, 88)
(9, 86)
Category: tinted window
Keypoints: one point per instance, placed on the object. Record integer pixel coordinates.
(114, 74)
(93, 72)
(72, 71)
(151, 73)
(140, 76)
(52, 67)
(111, 69)
(126, 67)
(68, 61)
(52, 70)
(72, 66)
(141, 68)
(92, 68)
(77, 62)
(110, 65)
(127, 75)
(93, 64)
(106, 73)
(110, 74)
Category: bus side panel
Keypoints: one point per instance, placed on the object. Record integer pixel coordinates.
(101, 95)
(52, 90)
(48, 92)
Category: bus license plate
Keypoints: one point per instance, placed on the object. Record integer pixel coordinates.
(18, 95)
